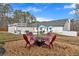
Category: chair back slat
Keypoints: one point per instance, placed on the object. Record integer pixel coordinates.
(25, 38)
(53, 39)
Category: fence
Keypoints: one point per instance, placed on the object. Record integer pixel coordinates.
(68, 33)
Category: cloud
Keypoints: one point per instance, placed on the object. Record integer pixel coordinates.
(74, 12)
(34, 9)
(70, 6)
(43, 19)
(37, 8)
(74, 5)
(44, 5)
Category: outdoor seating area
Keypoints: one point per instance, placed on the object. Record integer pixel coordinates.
(15, 45)
(39, 29)
(46, 40)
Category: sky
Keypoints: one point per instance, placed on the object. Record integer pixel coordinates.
(47, 11)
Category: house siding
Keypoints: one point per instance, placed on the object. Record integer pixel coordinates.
(20, 30)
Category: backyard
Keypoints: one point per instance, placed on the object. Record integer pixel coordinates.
(14, 45)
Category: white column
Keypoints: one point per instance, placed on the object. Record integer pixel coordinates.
(69, 22)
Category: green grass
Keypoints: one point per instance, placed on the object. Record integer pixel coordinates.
(4, 36)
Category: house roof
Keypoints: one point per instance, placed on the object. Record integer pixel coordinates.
(55, 23)
(60, 22)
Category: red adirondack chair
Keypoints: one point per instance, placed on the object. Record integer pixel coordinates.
(26, 39)
(29, 38)
(49, 39)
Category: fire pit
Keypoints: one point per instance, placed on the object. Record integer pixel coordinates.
(39, 41)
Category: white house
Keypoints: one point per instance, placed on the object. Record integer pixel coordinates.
(62, 27)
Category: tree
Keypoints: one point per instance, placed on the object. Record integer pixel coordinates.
(10, 20)
(75, 19)
(17, 15)
(4, 10)
(20, 16)
(32, 19)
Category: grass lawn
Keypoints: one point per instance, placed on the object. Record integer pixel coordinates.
(63, 45)
(4, 36)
